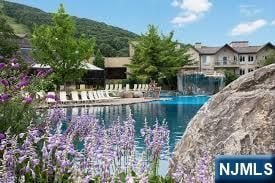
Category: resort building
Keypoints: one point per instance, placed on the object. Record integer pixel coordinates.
(238, 56)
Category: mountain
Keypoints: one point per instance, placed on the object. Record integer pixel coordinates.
(112, 41)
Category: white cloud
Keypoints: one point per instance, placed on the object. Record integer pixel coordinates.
(273, 22)
(196, 6)
(192, 10)
(175, 3)
(249, 27)
(249, 10)
(184, 19)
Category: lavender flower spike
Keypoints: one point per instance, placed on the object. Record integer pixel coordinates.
(2, 65)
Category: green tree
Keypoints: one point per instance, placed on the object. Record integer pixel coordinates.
(229, 76)
(157, 57)
(8, 44)
(57, 46)
(270, 59)
(99, 59)
(107, 50)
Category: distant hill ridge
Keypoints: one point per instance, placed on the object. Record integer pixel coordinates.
(112, 41)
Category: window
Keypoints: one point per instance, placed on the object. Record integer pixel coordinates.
(235, 58)
(242, 71)
(206, 60)
(250, 58)
(242, 59)
(224, 59)
(250, 70)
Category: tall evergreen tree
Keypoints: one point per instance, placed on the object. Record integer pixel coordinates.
(57, 46)
(99, 59)
(157, 57)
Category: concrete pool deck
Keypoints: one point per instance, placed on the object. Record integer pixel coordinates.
(112, 102)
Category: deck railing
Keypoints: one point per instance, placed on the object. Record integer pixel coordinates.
(226, 63)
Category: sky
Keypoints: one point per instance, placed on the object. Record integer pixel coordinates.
(211, 22)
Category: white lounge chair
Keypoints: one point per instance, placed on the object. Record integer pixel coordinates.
(75, 97)
(116, 87)
(135, 87)
(51, 98)
(63, 97)
(96, 97)
(146, 87)
(119, 87)
(91, 96)
(107, 87)
(100, 95)
(111, 87)
(108, 96)
(84, 97)
(127, 88)
(139, 87)
(143, 87)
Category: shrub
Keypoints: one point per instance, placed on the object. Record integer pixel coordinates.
(17, 98)
(229, 77)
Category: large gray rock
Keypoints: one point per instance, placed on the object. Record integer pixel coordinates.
(240, 119)
(126, 94)
(138, 94)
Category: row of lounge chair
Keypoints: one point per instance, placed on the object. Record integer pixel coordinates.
(77, 97)
(119, 87)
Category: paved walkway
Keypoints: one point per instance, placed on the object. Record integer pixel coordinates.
(121, 101)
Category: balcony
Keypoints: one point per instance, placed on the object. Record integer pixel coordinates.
(226, 63)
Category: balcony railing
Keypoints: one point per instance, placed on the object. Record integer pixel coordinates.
(226, 63)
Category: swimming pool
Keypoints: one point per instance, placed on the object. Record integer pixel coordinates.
(177, 111)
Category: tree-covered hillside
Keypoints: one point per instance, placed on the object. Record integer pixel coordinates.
(112, 41)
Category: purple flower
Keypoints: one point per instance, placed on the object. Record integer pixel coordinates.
(43, 73)
(4, 82)
(203, 168)
(56, 115)
(27, 100)
(12, 78)
(13, 60)
(5, 97)
(51, 96)
(2, 65)
(2, 136)
(22, 84)
(15, 65)
(40, 73)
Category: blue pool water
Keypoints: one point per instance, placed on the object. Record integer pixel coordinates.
(177, 111)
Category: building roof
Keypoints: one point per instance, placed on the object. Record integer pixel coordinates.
(86, 66)
(248, 49)
(92, 67)
(207, 50)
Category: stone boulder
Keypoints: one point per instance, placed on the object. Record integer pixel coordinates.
(138, 94)
(126, 94)
(239, 120)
